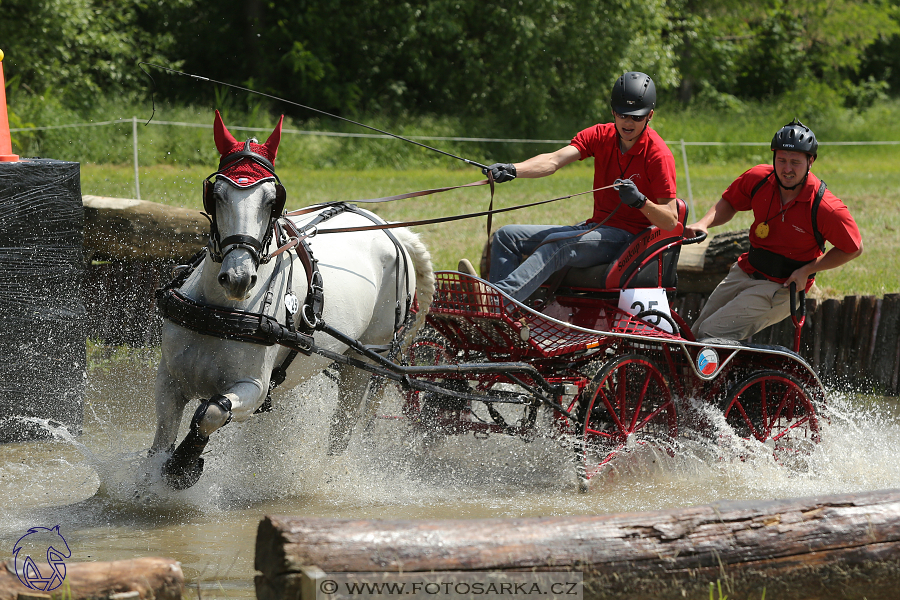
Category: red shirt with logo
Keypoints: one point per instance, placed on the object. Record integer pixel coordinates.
(790, 227)
(649, 163)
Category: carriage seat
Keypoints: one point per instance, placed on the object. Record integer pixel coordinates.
(649, 261)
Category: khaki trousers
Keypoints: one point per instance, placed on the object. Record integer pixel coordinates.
(741, 306)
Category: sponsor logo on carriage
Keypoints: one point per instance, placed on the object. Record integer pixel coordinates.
(47, 544)
(707, 361)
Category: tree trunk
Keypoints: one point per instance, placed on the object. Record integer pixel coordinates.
(845, 546)
(137, 579)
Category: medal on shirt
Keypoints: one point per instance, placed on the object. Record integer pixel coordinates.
(762, 230)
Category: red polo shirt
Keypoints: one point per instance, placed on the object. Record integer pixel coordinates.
(649, 163)
(791, 232)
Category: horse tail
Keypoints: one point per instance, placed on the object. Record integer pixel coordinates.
(424, 270)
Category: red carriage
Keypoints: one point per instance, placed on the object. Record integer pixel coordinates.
(614, 376)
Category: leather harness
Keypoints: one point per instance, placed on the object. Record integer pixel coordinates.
(263, 328)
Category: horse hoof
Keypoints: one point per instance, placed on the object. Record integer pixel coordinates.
(179, 477)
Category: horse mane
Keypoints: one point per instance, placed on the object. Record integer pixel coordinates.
(424, 270)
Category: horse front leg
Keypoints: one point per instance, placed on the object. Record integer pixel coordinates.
(352, 383)
(184, 468)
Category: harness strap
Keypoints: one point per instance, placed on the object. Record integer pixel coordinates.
(229, 324)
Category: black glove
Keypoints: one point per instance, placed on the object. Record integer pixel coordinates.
(629, 194)
(501, 172)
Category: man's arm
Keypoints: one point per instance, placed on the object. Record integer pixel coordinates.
(832, 259)
(720, 213)
(547, 164)
(663, 213)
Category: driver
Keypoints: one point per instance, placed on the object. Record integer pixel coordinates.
(786, 238)
(627, 153)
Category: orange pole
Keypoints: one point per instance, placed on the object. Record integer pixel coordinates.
(6, 154)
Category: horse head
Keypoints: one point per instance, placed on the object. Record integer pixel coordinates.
(243, 199)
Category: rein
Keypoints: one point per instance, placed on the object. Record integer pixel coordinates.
(489, 212)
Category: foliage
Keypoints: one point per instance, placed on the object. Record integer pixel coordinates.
(514, 66)
(524, 69)
(808, 52)
(78, 49)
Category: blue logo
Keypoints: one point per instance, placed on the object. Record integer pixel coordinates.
(57, 550)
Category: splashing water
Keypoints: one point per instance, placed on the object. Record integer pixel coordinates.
(103, 489)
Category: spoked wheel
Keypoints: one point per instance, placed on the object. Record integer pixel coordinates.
(628, 404)
(425, 409)
(774, 408)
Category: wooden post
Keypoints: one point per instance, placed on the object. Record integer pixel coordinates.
(137, 579)
(885, 354)
(809, 340)
(845, 327)
(823, 547)
(865, 315)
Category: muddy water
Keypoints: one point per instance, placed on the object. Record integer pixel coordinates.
(97, 487)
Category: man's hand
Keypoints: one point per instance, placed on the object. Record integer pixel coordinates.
(629, 194)
(693, 230)
(501, 171)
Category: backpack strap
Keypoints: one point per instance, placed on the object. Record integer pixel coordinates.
(814, 210)
(760, 183)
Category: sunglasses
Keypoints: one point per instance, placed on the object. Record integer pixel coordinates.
(636, 118)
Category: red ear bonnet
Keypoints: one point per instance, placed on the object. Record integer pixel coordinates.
(246, 172)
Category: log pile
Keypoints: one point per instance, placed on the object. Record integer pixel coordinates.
(137, 579)
(137, 230)
(841, 546)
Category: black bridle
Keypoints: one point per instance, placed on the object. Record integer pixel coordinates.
(219, 248)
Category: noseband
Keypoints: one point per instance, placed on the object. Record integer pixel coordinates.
(219, 248)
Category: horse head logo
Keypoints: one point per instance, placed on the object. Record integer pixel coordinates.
(57, 550)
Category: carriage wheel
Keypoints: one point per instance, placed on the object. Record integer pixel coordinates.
(424, 409)
(628, 404)
(774, 408)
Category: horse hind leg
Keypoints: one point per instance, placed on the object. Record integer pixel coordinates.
(183, 469)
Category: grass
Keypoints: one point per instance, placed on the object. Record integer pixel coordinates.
(174, 160)
(866, 179)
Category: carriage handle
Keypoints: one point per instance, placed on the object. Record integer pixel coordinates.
(696, 239)
(798, 313)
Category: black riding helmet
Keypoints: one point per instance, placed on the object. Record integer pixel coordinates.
(633, 94)
(796, 137)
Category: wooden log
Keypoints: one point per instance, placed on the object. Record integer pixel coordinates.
(841, 546)
(136, 579)
(865, 315)
(809, 348)
(123, 229)
(702, 266)
(831, 309)
(885, 353)
(845, 340)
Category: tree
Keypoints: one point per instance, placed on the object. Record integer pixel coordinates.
(77, 49)
(767, 49)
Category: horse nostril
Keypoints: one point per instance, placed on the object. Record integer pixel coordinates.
(252, 282)
(223, 278)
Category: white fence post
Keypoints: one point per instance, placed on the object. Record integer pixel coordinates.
(687, 177)
(137, 180)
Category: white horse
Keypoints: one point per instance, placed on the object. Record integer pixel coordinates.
(367, 281)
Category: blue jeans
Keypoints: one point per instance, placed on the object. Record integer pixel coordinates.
(548, 249)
